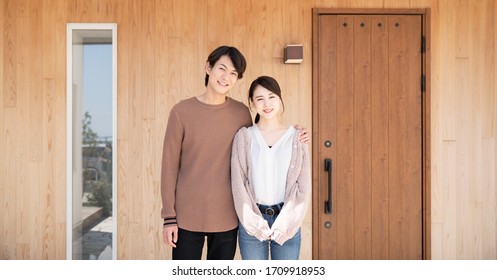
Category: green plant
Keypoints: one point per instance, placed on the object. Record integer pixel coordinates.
(101, 195)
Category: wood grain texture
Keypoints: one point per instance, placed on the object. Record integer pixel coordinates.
(329, 122)
(344, 115)
(147, 49)
(22, 122)
(48, 202)
(60, 116)
(3, 223)
(36, 211)
(9, 207)
(9, 53)
(34, 80)
(123, 196)
(136, 108)
(379, 132)
(162, 47)
(123, 66)
(362, 135)
(49, 17)
(358, 134)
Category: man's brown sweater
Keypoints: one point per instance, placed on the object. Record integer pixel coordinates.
(195, 179)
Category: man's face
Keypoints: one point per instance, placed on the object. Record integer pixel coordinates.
(222, 75)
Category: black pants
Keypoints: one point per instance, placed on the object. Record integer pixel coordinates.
(220, 245)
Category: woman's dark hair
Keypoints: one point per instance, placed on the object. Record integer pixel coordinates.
(268, 83)
(234, 54)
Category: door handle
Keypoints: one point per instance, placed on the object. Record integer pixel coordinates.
(328, 168)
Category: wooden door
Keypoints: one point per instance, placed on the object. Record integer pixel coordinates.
(368, 137)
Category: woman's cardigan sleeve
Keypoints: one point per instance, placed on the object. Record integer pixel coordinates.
(297, 194)
(248, 213)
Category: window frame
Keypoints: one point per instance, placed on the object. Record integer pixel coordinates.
(69, 131)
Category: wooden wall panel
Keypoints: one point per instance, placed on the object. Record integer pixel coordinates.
(35, 81)
(487, 59)
(459, 132)
(147, 37)
(35, 211)
(193, 33)
(47, 183)
(22, 164)
(59, 143)
(150, 191)
(135, 112)
(60, 131)
(3, 223)
(493, 169)
(123, 230)
(9, 207)
(108, 10)
(48, 34)
(161, 81)
(162, 48)
(10, 53)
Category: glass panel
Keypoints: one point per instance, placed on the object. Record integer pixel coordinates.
(92, 145)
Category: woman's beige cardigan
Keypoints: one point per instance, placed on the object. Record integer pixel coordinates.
(297, 193)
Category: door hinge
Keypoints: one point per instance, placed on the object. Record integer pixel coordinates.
(423, 83)
(423, 44)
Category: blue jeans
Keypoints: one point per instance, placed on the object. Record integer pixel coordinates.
(253, 249)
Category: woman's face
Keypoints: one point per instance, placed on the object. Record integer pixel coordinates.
(222, 75)
(266, 103)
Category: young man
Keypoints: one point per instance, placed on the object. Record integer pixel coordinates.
(195, 184)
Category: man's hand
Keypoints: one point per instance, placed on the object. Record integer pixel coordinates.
(170, 235)
(303, 135)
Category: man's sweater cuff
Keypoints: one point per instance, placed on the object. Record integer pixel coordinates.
(169, 221)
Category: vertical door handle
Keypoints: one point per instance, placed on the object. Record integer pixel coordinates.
(328, 168)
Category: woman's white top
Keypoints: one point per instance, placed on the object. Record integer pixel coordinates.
(270, 165)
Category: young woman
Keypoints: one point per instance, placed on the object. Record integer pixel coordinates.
(270, 178)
